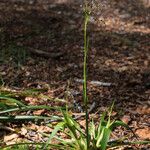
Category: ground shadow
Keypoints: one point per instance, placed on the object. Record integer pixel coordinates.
(120, 59)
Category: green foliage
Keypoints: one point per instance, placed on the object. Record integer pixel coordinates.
(18, 147)
(10, 103)
(75, 135)
(23, 146)
(52, 135)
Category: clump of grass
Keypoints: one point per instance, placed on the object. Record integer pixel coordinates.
(98, 135)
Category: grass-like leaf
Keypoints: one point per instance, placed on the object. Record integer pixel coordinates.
(23, 118)
(26, 108)
(11, 100)
(52, 135)
(76, 132)
(28, 146)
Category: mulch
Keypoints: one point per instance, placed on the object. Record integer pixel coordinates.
(119, 54)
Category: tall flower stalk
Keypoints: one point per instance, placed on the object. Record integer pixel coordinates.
(86, 46)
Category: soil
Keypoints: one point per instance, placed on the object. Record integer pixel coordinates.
(119, 54)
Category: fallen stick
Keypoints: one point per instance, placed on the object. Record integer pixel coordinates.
(97, 83)
(45, 54)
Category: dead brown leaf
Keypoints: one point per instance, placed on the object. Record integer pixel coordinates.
(10, 138)
(144, 133)
(126, 119)
(39, 112)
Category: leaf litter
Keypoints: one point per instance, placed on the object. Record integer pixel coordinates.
(119, 55)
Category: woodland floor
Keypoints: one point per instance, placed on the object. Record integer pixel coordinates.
(119, 54)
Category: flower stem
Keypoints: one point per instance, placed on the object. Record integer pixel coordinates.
(86, 43)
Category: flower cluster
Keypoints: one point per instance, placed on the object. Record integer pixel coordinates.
(95, 9)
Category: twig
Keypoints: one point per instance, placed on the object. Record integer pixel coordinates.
(2, 127)
(97, 83)
(44, 53)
